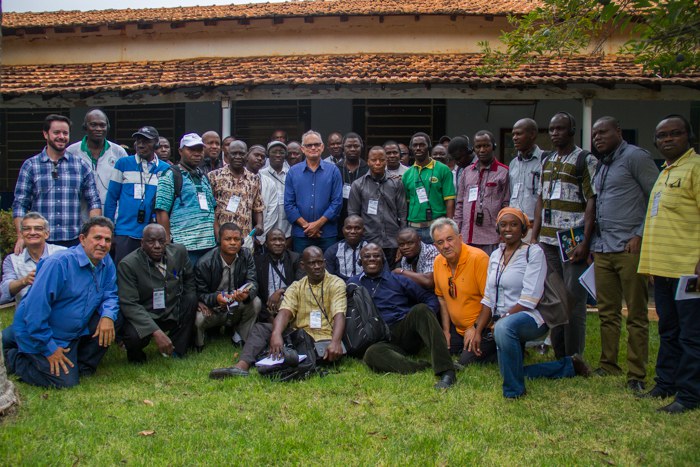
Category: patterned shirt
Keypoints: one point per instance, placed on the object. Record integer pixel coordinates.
(481, 191)
(55, 190)
(17, 266)
(426, 258)
(434, 181)
(560, 193)
(191, 224)
(302, 298)
(236, 198)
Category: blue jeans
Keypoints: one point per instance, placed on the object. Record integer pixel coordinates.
(301, 243)
(85, 353)
(424, 234)
(510, 334)
(678, 362)
(194, 255)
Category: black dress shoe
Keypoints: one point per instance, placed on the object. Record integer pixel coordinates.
(655, 393)
(674, 408)
(636, 386)
(581, 368)
(221, 373)
(447, 380)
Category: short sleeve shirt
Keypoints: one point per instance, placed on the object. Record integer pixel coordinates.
(436, 179)
(236, 198)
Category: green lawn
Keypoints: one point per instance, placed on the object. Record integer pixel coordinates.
(350, 417)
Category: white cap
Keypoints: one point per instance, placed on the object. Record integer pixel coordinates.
(191, 139)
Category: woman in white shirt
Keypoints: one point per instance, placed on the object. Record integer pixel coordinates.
(514, 286)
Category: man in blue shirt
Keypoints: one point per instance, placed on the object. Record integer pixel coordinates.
(313, 197)
(409, 310)
(65, 323)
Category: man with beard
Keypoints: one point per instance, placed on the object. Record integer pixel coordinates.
(54, 183)
(237, 192)
(157, 295)
(65, 323)
(99, 153)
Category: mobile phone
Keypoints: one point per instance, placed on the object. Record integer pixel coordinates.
(692, 285)
(479, 218)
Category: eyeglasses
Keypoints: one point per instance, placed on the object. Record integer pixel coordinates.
(312, 145)
(672, 134)
(453, 287)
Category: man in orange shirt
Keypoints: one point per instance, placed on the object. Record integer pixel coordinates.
(460, 279)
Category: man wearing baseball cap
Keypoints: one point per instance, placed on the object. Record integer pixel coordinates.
(277, 172)
(131, 191)
(187, 214)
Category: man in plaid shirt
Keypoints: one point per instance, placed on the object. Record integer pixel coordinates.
(53, 183)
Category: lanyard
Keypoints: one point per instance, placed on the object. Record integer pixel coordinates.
(482, 188)
(320, 305)
(279, 274)
(420, 179)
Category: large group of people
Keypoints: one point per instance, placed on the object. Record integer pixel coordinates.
(456, 250)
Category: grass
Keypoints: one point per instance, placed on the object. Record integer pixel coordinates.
(350, 417)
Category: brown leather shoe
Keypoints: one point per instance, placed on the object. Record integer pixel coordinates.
(581, 368)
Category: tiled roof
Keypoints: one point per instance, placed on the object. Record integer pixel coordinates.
(320, 70)
(268, 10)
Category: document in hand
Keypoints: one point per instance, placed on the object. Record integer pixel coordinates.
(587, 280)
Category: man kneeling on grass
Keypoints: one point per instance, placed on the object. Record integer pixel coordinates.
(409, 310)
(315, 303)
(157, 295)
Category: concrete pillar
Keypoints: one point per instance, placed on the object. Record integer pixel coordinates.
(225, 117)
(587, 123)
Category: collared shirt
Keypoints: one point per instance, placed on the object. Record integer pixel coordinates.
(101, 167)
(313, 194)
(236, 198)
(268, 193)
(470, 282)
(228, 281)
(301, 298)
(525, 175)
(518, 282)
(132, 188)
(394, 295)
(14, 267)
(67, 291)
(275, 277)
(483, 191)
(623, 189)
(426, 258)
(342, 259)
(560, 193)
(190, 223)
(57, 199)
(279, 179)
(382, 205)
(436, 179)
(671, 240)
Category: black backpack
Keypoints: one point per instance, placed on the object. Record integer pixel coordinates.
(364, 325)
(301, 342)
(177, 186)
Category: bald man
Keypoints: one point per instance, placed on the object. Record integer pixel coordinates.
(157, 296)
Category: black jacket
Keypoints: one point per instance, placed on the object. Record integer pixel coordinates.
(291, 270)
(210, 269)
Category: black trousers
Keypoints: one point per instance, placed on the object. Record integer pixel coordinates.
(179, 333)
(489, 353)
(419, 328)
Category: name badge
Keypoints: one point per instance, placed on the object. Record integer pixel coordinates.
(159, 299)
(372, 206)
(138, 191)
(203, 205)
(280, 198)
(516, 189)
(346, 191)
(555, 193)
(422, 195)
(233, 203)
(655, 204)
(315, 320)
(473, 194)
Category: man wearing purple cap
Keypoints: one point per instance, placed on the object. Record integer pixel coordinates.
(132, 189)
(185, 203)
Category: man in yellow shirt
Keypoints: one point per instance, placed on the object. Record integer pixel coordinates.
(315, 303)
(670, 250)
(460, 279)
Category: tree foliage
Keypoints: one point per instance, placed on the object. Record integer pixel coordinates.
(664, 34)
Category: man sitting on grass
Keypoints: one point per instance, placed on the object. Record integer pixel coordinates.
(65, 323)
(315, 303)
(409, 310)
(157, 295)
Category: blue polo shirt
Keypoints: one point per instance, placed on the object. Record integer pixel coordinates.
(313, 194)
(67, 290)
(395, 295)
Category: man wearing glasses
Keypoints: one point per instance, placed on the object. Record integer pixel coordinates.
(313, 197)
(99, 153)
(54, 183)
(460, 279)
(18, 271)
